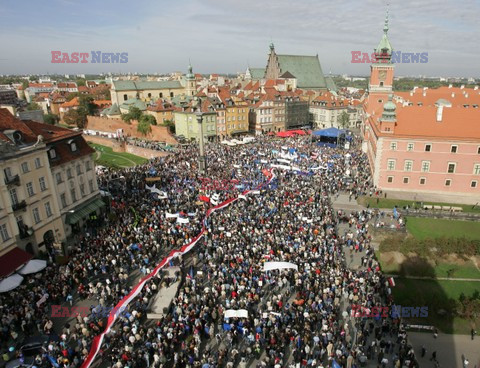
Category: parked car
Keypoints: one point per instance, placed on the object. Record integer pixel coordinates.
(17, 363)
(34, 345)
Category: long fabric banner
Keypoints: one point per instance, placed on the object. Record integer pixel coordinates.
(98, 340)
(268, 266)
(232, 313)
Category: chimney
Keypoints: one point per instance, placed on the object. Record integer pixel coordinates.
(411, 93)
(466, 95)
(453, 94)
(424, 93)
(475, 88)
(439, 113)
(449, 86)
(462, 86)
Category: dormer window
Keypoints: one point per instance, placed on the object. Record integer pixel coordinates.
(52, 154)
(73, 145)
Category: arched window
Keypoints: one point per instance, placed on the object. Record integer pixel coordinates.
(125, 97)
(149, 95)
(160, 95)
(171, 94)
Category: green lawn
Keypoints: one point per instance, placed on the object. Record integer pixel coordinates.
(390, 203)
(436, 295)
(422, 228)
(106, 157)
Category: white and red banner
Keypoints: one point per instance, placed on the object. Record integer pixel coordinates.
(98, 340)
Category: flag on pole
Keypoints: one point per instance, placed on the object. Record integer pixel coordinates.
(391, 281)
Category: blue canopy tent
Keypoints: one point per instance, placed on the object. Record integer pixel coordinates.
(328, 133)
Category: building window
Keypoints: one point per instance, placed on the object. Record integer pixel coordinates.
(149, 95)
(405, 180)
(473, 184)
(391, 165)
(48, 209)
(36, 215)
(476, 169)
(451, 168)
(73, 146)
(171, 94)
(4, 232)
(408, 165)
(30, 191)
(428, 147)
(425, 166)
(38, 163)
(410, 147)
(90, 185)
(160, 95)
(25, 168)
(125, 97)
(393, 146)
(79, 170)
(448, 182)
(82, 189)
(88, 165)
(69, 173)
(58, 176)
(63, 199)
(52, 154)
(74, 195)
(453, 149)
(389, 179)
(423, 181)
(43, 186)
(13, 196)
(478, 150)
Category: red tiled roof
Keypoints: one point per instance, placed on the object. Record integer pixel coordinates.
(10, 122)
(72, 103)
(40, 85)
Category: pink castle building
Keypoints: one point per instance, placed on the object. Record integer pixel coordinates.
(424, 141)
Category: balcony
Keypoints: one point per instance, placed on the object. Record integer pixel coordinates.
(24, 231)
(19, 206)
(15, 179)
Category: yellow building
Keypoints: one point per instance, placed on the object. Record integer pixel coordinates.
(236, 120)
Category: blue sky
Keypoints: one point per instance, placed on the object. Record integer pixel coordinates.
(224, 36)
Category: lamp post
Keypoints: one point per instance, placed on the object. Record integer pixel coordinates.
(202, 164)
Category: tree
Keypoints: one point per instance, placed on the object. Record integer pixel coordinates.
(72, 95)
(51, 119)
(76, 117)
(344, 120)
(134, 113)
(149, 119)
(33, 106)
(86, 101)
(80, 82)
(144, 127)
(170, 125)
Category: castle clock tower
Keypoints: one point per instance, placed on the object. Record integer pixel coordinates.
(381, 71)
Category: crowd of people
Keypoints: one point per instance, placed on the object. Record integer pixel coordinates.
(296, 317)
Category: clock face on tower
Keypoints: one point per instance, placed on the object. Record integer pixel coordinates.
(382, 74)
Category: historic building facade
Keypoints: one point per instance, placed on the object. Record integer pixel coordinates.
(424, 141)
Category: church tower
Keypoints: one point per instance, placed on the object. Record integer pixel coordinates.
(381, 71)
(190, 89)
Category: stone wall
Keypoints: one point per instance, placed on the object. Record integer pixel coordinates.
(103, 124)
(117, 147)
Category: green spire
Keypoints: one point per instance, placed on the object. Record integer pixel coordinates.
(389, 108)
(190, 71)
(384, 48)
(385, 27)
